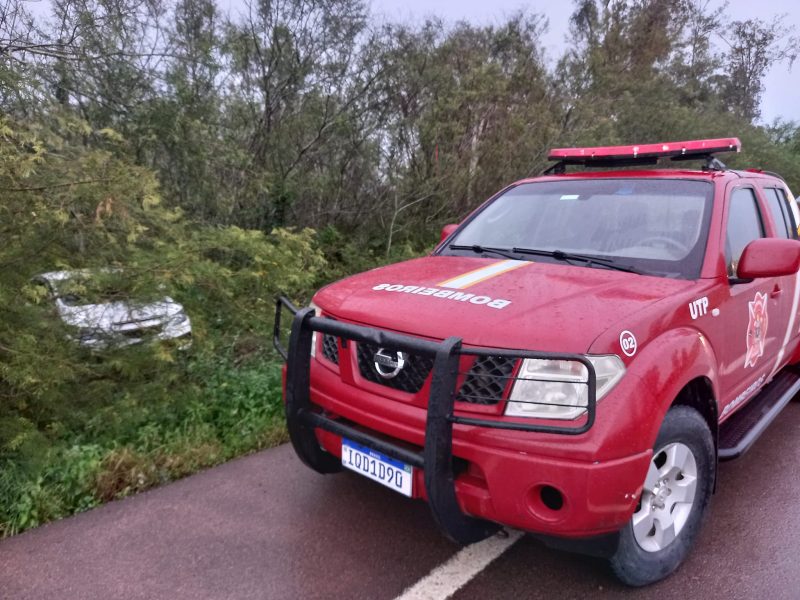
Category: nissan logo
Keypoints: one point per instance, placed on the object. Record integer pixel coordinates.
(389, 363)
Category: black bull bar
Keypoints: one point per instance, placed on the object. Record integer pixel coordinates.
(436, 458)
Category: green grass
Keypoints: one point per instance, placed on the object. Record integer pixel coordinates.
(134, 442)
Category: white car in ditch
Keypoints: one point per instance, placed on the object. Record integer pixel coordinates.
(105, 322)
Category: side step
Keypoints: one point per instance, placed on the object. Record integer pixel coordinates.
(746, 425)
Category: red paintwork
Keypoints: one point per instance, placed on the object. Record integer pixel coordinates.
(769, 258)
(649, 150)
(581, 301)
(558, 307)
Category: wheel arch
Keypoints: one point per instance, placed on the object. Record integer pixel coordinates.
(679, 367)
(699, 394)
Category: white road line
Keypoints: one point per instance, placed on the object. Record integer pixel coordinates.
(446, 579)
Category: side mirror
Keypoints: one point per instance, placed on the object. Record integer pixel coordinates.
(769, 257)
(446, 231)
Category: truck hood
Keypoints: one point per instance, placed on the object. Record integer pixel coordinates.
(496, 303)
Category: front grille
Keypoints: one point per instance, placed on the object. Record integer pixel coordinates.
(330, 348)
(410, 378)
(486, 380)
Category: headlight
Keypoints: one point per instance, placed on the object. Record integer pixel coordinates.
(314, 335)
(557, 389)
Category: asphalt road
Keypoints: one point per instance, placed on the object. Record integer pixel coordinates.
(265, 527)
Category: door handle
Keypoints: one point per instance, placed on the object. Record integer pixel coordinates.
(776, 292)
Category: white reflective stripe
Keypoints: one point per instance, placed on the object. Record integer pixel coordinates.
(446, 579)
(471, 278)
(789, 326)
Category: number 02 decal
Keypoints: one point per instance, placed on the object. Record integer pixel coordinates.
(627, 342)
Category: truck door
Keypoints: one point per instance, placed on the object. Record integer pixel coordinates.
(784, 226)
(755, 323)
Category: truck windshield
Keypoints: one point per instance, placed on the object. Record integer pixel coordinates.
(654, 226)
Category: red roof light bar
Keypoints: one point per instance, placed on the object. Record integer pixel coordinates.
(686, 150)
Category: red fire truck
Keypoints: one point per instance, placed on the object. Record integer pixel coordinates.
(572, 360)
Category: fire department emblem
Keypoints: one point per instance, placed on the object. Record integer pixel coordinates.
(756, 329)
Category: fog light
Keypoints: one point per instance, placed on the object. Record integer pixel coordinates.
(551, 497)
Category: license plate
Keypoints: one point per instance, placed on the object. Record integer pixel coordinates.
(385, 470)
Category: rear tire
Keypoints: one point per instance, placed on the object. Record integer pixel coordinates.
(674, 499)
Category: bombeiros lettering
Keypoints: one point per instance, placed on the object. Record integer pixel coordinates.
(496, 303)
(749, 391)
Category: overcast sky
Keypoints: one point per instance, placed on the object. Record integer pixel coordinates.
(782, 87)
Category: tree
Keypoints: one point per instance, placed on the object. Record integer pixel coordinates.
(185, 144)
(754, 46)
(297, 79)
(471, 109)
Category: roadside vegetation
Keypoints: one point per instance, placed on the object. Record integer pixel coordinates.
(222, 158)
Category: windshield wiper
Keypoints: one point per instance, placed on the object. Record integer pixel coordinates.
(514, 253)
(478, 249)
(585, 258)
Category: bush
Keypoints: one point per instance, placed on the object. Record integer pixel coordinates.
(134, 442)
(77, 427)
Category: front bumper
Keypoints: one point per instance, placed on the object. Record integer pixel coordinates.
(469, 481)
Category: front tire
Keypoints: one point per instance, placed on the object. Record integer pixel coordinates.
(675, 495)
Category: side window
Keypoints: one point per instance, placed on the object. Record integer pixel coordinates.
(744, 226)
(779, 210)
(786, 204)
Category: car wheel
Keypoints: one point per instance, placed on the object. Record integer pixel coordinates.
(676, 493)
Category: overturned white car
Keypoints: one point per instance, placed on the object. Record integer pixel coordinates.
(104, 322)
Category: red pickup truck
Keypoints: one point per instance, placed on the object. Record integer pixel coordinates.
(572, 360)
